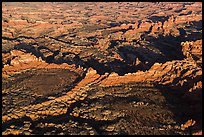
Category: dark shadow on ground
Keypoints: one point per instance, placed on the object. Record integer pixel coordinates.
(159, 18)
(160, 49)
(185, 106)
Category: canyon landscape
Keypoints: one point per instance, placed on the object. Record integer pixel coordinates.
(101, 68)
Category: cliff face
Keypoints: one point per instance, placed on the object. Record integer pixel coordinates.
(102, 68)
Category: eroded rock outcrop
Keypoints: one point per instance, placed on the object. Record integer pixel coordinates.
(193, 51)
(22, 61)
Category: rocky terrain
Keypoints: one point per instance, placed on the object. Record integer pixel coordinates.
(102, 68)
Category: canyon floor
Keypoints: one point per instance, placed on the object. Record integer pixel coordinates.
(102, 68)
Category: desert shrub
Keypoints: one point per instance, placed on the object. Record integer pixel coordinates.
(31, 20)
(5, 20)
(24, 17)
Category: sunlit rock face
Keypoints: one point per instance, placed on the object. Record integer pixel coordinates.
(116, 68)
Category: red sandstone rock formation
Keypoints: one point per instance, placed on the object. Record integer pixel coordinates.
(24, 61)
(193, 51)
